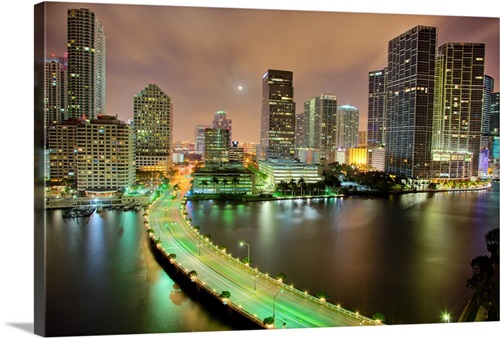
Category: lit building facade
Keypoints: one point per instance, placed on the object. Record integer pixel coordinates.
(153, 116)
(286, 170)
(376, 158)
(409, 105)
(55, 93)
(277, 138)
(319, 125)
(494, 110)
(97, 155)
(459, 94)
(216, 147)
(222, 122)
(347, 127)
(376, 107)
(199, 138)
(86, 64)
(358, 156)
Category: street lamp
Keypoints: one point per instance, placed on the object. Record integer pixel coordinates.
(446, 317)
(274, 305)
(248, 245)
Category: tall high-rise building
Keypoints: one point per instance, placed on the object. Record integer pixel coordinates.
(410, 95)
(199, 138)
(86, 64)
(494, 109)
(319, 125)
(347, 127)
(489, 86)
(277, 136)
(55, 89)
(299, 131)
(376, 107)
(222, 122)
(458, 116)
(153, 125)
(216, 147)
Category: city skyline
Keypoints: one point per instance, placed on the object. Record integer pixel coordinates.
(220, 70)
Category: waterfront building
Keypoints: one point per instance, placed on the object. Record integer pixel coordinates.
(228, 180)
(199, 138)
(216, 147)
(220, 121)
(489, 86)
(153, 129)
(86, 65)
(96, 155)
(459, 94)
(410, 95)
(319, 125)
(347, 127)
(341, 156)
(376, 107)
(299, 131)
(277, 138)
(285, 170)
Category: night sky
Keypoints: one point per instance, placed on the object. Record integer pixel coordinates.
(200, 56)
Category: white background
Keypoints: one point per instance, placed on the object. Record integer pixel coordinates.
(16, 194)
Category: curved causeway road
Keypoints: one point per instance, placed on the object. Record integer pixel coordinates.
(253, 291)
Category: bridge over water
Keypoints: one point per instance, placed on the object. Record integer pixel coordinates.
(255, 293)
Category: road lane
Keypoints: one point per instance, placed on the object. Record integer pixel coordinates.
(220, 271)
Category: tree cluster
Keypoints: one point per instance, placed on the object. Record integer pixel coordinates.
(484, 280)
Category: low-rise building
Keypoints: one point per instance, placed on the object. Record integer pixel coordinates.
(286, 170)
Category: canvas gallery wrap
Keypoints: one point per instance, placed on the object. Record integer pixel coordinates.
(205, 169)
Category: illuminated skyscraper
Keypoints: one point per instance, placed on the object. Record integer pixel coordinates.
(153, 116)
(221, 122)
(216, 147)
(494, 110)
(55, 89)
(458, 116)
(86, 64)
(376, 107)
(199, 138)
(410, 95)
(347, 127)
(277, 136)
(319, 125)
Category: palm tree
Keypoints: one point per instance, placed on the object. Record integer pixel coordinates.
(215, 181)
(224, 183)
(283, 187)
(235, 181)
(203, 184)
(302, 184)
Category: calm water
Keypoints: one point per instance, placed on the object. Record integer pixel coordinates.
(407, 257)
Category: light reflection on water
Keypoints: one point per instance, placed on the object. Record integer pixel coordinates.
(103, 279)
(407, 256)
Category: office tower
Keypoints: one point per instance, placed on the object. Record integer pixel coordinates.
(216, 147)
(199, 138)
(153, 116)
(376, 107)
(494, 108)
(489, 85)
(299, 131)
(459, 98)
(55, 89)
(347, 127)
(95, 155)
(221, 122)
(319, 125)
(86, 64)
(277, 136)
(410, 94)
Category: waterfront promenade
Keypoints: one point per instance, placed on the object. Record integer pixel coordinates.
(259, 295)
